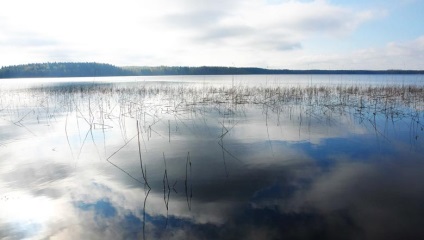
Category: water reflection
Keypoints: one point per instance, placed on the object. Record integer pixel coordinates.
(189, 159)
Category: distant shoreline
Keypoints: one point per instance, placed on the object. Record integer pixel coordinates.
(91, 69)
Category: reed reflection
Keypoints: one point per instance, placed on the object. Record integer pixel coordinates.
(264, 161)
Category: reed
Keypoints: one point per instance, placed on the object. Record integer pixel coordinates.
(187, 182)
(95, 108)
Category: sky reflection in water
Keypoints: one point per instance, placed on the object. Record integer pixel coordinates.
(223, 159)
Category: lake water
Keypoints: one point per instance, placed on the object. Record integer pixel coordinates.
(213, 157)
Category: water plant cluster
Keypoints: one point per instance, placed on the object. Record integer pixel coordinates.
(145, 122)
(101, 106)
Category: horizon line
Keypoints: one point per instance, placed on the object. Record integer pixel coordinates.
(229, 67)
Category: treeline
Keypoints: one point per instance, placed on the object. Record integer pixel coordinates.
(90, 69)
(66, 69)
(164, 70)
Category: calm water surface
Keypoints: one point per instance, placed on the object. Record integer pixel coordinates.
(213, 157)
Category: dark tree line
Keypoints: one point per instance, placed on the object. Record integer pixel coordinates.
(67, 69)
(165, 70)
(90, 69)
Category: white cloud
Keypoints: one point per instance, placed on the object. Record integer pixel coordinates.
(244, 33)
(394, 55)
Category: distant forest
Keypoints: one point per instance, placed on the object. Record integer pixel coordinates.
(67, 69)
(91, 69)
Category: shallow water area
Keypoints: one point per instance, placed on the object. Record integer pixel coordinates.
(213, 157)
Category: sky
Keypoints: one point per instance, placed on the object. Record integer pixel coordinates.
(275, 34)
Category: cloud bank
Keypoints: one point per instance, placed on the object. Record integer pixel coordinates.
(242, 33)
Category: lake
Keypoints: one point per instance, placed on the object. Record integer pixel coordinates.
(213, 157)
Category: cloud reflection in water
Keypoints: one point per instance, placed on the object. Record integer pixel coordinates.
(268, 168)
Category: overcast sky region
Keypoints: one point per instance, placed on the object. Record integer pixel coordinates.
(293, 34)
